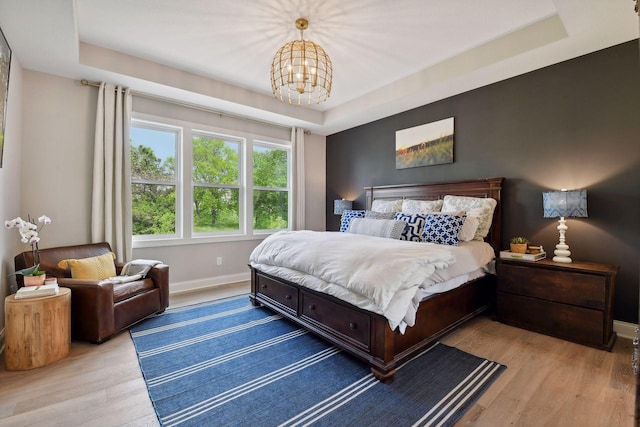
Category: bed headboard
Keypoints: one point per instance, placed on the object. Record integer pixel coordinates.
(485, 187)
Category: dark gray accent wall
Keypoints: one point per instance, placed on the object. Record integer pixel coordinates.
(571, 125)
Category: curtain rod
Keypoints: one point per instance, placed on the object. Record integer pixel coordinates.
(86, 82)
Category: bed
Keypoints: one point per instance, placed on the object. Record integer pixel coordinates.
(367, 334)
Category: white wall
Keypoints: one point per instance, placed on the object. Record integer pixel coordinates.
(57, 132)
(10, 185)
(57, 157)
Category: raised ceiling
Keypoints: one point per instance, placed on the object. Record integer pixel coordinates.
(388, 56)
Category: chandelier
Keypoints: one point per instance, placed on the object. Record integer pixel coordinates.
(301, 71)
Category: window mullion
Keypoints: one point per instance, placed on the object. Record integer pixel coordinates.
(186, 204)
(248, 187)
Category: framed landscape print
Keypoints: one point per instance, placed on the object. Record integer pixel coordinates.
(5, 65)
(425, 145)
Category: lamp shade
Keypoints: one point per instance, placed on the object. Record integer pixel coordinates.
(569, 204)
(341, 205)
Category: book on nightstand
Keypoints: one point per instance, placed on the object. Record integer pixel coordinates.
(37, 291)
(523, 257)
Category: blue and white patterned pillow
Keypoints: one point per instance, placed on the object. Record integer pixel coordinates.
(415, 224)
(347, 216)
(443, 229)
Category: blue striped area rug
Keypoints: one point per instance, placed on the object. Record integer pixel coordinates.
(227, 363)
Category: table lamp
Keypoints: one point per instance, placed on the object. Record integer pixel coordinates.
(340, 205)
(561, 204)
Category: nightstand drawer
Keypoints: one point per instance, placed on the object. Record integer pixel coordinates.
(576, 288)
(583, 325)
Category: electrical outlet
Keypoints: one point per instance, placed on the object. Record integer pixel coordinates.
(219, 260)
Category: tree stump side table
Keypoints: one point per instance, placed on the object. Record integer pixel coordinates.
(37, 330)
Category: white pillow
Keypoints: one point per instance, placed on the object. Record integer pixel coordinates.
(411, 207)
(390, 228)
(386, 206)
(480, 207)
(469, 228)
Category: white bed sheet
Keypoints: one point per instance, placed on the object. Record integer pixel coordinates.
(473, 260)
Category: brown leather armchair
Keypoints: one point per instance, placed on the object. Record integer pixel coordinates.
(100, 308)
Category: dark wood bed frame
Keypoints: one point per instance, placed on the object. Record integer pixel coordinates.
(367, 335)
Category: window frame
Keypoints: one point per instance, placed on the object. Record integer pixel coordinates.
(242, 142)
(154, 125)
(185, 235)
(288, 189)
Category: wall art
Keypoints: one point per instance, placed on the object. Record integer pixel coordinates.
(425, 145)
(5, 65)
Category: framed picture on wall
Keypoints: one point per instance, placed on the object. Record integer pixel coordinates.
(5, 65)
(425, 145)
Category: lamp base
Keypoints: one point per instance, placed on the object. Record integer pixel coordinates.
(562, 253)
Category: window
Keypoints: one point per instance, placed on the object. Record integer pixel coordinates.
(216, 183)
(153, 179)
(226, 185)
(270, 187)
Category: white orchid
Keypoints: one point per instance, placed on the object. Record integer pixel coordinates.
(29, 233)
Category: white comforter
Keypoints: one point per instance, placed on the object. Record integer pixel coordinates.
(385, 272)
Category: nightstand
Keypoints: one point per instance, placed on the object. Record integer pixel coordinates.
(38, 330)
(570, 301)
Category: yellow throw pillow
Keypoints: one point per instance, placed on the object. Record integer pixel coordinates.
(94, 268)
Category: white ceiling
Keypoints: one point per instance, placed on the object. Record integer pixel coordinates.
(388, 56)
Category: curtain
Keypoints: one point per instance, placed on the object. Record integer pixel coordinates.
(297, 140)
(111, 200)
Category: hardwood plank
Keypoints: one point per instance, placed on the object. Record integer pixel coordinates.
(548, 381)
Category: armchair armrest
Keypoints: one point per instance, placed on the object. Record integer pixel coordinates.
(160, 276)
(91, 308)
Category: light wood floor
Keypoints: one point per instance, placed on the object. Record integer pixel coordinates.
(548, 382)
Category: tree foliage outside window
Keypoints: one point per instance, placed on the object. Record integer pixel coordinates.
(216, 190)
(270, 183)
(204, 191)
(153, 183)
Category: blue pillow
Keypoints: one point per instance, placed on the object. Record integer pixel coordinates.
(415, 224)
(347, 216)
(443, 229)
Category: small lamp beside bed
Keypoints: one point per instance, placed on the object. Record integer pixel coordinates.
(341, 205)
(561, 204)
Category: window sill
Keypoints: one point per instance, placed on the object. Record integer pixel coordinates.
(166, 242)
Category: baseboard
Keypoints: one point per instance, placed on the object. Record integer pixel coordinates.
(210, 282)
(625, 329)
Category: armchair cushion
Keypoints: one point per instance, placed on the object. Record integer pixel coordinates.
(122, 291)
(93, 268)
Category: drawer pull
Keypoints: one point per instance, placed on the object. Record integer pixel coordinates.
(353, 326)
(287, 297)
(312, 307)
(263, 286)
